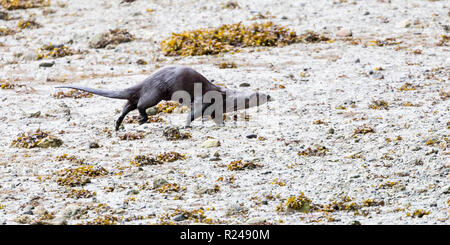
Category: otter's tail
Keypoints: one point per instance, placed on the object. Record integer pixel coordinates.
(105, 93)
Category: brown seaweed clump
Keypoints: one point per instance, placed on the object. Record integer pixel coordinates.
(24, 4)
(295, 203)
(112, 37)
(81, 193)
(445, 39)
(79, 176)
(174, 134)
(167, 106)
(227, 37)
(241, 165)
(363, 129)
(28, 24)
(6, 31)
(54, 51)
(143, 160)
(227, 65)
(318, 151)
(75, 94)
(132, 136)
(7, 85)
(379, 105)
(42, 139)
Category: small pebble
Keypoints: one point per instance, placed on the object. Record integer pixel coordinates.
(251, 136)
(93, 145)
(47, 64)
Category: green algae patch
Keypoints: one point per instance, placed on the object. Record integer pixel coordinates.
(228, 37)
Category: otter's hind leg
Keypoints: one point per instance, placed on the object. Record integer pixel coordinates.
(126, 109)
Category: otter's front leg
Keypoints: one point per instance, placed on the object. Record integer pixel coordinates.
(143, 116)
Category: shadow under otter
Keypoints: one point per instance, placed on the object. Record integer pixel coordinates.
(184, 85)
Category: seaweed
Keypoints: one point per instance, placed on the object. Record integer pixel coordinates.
(28, 24)
(75, 94)
(131, 136)
(379, 105)
(228, 37)
(24, 4)
(318, 151)
(174, 134)
(42, 139)
(242, 165)
(54, 51)
(6, 31)
(79, 176)
(363, 129)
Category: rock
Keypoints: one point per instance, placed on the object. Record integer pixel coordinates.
(179, 217)
(35, 114)
(251, 136)
(58, 220)
(71, 210)
(173, 133)
(244, 85)
(331, 131)
(23, 219)
(132, 192)
(159, 182)
(203, 155)
(404, 24)
(4, 15)
(209, 143)
(96, 40)
(29, 56)
(141, 62)
(40, 211)
(28, 210)
(152, 111)
(255, 221)
(378, 75)
(344, 33)
(50, 141)
(93, 145)
(235, 209)
(47, 64)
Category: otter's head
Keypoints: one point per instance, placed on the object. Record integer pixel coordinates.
(237, 100)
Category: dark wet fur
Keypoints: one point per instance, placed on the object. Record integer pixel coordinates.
(159, 86)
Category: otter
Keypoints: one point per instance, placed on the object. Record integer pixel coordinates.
(184, 85)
